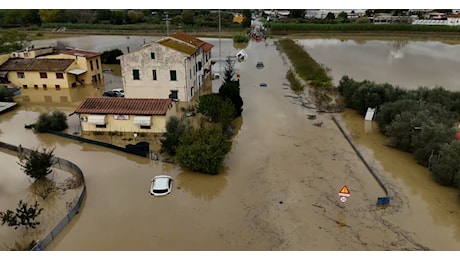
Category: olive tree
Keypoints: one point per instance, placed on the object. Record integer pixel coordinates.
(175, 128)
(203, 150)
(445, 167)
(217, 108)
(56, 121)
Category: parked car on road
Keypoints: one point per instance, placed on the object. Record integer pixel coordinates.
(161, 185)
(110, 93)
(119, 91)
(259, 65)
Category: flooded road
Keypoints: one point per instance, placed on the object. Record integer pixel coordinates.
(278, 191)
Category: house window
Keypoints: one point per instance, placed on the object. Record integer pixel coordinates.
(136, 75)
(199, 65)
(172, 74)
(99, 77)
(190, 73)
(91, 64)
(145, 126)
(58, 87)
(97, 64)
(35, 86)
(44, 86)
(174, 94)
(43, 75)
(24, 86)
(152, 55)
(101, 126)
(59, 75)
(21, 75)
(154, 74)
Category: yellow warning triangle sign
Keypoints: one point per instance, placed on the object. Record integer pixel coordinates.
(344, 190)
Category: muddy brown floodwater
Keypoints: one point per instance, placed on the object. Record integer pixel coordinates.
(278, 191)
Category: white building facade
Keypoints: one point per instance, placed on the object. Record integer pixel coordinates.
(167, 68)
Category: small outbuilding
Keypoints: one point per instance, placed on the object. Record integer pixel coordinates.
(125, 115)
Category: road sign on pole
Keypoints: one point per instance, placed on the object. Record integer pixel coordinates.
(344, 193)
(343, 199)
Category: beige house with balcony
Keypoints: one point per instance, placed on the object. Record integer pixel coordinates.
(132, 115)
(41, 69)
(173, 67)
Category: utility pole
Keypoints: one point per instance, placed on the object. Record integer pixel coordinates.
(167, 19)
(220, 51)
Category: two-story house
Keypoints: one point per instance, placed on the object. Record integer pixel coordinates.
(88, 63)
(39, 73)
(43, 69)
(173, 67)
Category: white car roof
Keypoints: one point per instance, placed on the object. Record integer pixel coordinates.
(161, 182)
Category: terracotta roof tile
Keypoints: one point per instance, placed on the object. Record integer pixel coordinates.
(36, 65)
(188, 39)
(82, 53)
(207, 47)
(123, 106)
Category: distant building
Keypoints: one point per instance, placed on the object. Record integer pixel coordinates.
(238, 18)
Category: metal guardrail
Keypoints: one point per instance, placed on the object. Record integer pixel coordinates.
(381, 200)
(65, 165)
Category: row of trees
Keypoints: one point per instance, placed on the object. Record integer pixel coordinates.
(198, 17)
(204, 149)
(422, 122)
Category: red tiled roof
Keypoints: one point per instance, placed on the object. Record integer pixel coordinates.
(188, 39)
(207, 47)
(36, 65)
(124, 106)
(77, 52)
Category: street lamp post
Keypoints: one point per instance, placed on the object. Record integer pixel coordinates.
(220, 51)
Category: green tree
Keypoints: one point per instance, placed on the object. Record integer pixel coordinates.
(203, 150)
(175, 128)
(218, 108)
(13, 40)
(188, 17)
(50, 15)
(229, 70)
(135, 16)
(246, 18)
(342, 18)
(296, 13)
(231, 90)
(25, 215)
(330, 16)
(110, 57)
(103, 14)
(56, 121)
(118, 17)
(209, 105)
(430, 139)
(37, 164)
(445, 167)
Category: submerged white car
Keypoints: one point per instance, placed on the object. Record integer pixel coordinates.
(161, 185)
